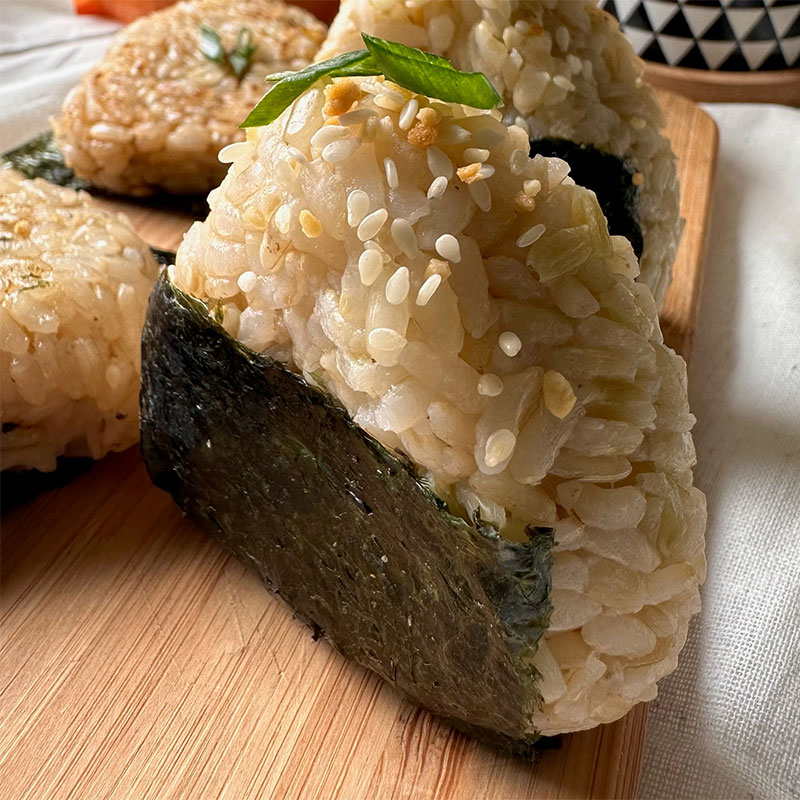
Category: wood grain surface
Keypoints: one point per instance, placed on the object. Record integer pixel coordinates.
(140, 661)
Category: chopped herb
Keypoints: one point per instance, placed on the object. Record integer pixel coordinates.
(219, 313)
(238, 60)
(408, 67)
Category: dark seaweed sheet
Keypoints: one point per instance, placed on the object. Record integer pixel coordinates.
(608, 176)
(41, 158)
(340, 527)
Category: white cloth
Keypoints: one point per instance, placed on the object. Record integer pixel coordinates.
(727, 723)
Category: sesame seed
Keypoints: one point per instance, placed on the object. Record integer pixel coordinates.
(562, 38)
(637, 179)
(283, 218)
(479, 190)
(340, 150)
(509, 343)
(490, 385)
(231, 152)
(370, 265)
(408, 114)
(563, 83)
(476, 154)
(499, 446)
(371, 244)
(357, 116)
(247, 281)
(559, 399)
(447, 247)
(574, 63)
(357, 206)
(310, 225)
(588, 70)
(371, 224)
(391, 173)
(439, 163)
(298, 155)
(638, 123)
(386, 339)
(392, 101)
(397, 286)
(532, 187)
(437, 188)
(404, 237)
(531, 235)
(486, 171)
(428, 288)
(327, 134)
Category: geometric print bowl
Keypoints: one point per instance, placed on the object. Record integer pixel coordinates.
(727, 35)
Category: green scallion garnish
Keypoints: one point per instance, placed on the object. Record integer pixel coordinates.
(413, 69)
(238, 59)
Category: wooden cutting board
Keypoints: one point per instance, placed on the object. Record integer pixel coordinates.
(138, 660)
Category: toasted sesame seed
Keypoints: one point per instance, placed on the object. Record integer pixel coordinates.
(310, 225)
(357, 207)
(231, 152)
(559, 399)
(357, 116)
(408, 114)
(509, 343)
(390, 168)
(371, 224)
(562, 38)
(327, 134)
(563, 82)
(428, 288)
(531, 235)
(370, 265)
(437, 188)
(637, 179)
(447, 247)
(247, 281)
(499, 446)
(439, 163)
(404, 237)
(340, 150)
(532, 187)
(283, 218)
(298, 155)
(476, 154)
(479, 190)
(490, 385)
(397, 286)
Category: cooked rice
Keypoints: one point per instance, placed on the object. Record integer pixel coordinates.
(154, 113)
(74, 282)
(563, 69)
(531, 382)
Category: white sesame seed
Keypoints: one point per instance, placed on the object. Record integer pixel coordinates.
(439, 163)
(283, 218)
(247, 281)
(408, 114)
(397, 286)
(437, 188)
(490, 385)
(298, 155)
(340, 150)
(447, 247)
(559, 399)
(405, 237)
(391, 173)
(357, 116)
(509, 343)
(563, 83)
(499, 446)
(518, 160)
(371, 224)
(638, 123)
(531, 235)
(327, 134)
(486, 171)
(428, 288)
(562, 38)
(454, 134)
(357, 206)
(309, 224)
(231, 152)
(479, 190)
(532, 187)
(386, 339)
(574, 63)
(475, 154)
(370, 265)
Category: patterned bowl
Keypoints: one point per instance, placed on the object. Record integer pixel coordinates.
(729, 35)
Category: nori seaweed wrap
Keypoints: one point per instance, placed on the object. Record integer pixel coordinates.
(404, 371)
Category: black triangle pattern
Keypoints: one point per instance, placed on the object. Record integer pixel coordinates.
(720, 30)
